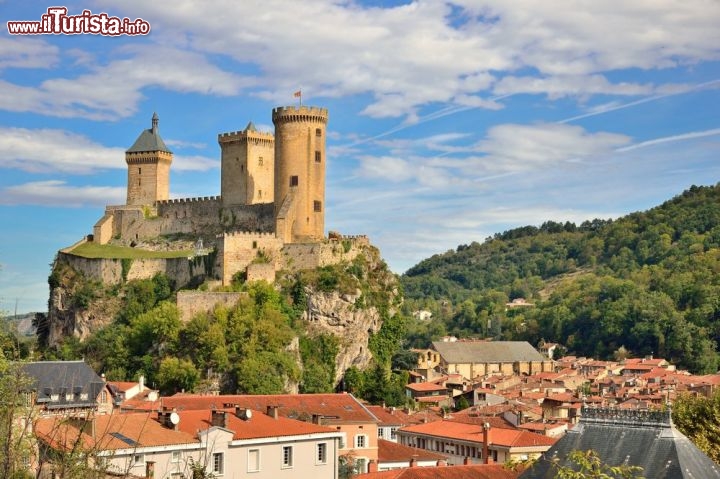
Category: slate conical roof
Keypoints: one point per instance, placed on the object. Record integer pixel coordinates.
(149, 140)
(638, 438)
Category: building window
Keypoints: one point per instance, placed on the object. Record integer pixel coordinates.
(321, 457)
(393, 433)
(138, 459)
(218, 463)
(175, 456)
(54, 397)
(361, 465)
(287, 456)
(293, 181)
(253, 460)
(318, 132)
(260, 161)
(361, 441)
(318, 157)
(317, 206)
(103, 396)
(381, 432)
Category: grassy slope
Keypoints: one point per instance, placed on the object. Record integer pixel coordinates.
(95, 250)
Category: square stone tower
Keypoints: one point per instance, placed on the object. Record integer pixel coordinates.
(247, 167)
(148, 161)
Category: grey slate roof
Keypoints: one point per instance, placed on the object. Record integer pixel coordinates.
(638, 438)
(149, 140)
(462, 352)
(66, 379)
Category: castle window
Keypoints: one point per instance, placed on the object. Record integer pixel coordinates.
(139, 171)
(260, 194)
(139, 181)
(254, 244)
(242, 168)
(260, 161)
(317, 206)
(318, 132)
(318, 157)
(293, 181)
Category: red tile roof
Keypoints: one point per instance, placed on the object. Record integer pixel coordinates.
(476, 471)
(260, 425)
(473, 432)
(389, 451)
(140, 428)
(425, 387)
(334, 408)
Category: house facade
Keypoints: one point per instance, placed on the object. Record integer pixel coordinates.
(168, 444)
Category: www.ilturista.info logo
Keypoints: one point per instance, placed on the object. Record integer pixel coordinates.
(57, 22)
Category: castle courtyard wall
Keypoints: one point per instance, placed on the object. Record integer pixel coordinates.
(191, 303)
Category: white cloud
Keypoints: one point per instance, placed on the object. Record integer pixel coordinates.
(671, 139)
(59, 194)
(566, 85)
(28, 150)
(512, 147)
(115, 89)
(24, 52)
(426, 52)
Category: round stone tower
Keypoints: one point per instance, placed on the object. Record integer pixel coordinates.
(300, 173)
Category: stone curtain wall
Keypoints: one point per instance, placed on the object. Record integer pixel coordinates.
(236, 251)
(187, 215)
(109, 271)
(190, 303)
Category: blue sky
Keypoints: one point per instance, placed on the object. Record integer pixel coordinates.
(449, 121)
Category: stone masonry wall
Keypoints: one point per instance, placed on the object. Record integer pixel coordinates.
(189, 216)
(236, 251)
(109, 271)
(190, 303)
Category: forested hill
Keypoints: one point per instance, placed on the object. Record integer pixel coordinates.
(648, 282)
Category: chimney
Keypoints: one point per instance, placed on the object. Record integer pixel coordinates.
(372, 466)
(218, 418)
(413, 462)
(243, 413)
(485, 452)
(141, 382)
(272, 411)
(149, 470)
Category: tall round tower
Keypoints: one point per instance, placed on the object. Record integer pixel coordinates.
(300, 173)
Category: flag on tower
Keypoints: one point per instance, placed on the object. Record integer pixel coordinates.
(297, 94)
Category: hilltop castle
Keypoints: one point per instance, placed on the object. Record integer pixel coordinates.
(270, 214)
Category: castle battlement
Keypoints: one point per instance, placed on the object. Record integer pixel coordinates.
(247, 235)
(302, 113)
(198, 199)
(246, 135)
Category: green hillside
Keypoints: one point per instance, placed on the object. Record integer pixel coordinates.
(648, 282)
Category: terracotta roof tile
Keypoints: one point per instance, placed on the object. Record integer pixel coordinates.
(473, 432)
(334, 408)
(389, 451)
(476, 471)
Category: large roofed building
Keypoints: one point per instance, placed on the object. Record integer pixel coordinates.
(646, 439)
(474, 359)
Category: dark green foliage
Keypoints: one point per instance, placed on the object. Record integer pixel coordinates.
(698, 417)
(404, 360)
(143, 294)
(318, 355)
(647, 281)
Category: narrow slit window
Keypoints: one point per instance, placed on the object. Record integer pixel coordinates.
(293, 181)
(318, 157)
(317, 206)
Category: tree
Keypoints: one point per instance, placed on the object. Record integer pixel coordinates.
(176, 375)
(588, 465)
(698, 417)
(15, 421)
